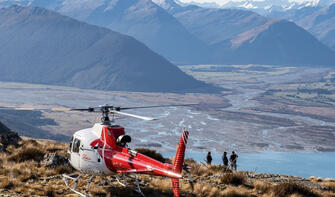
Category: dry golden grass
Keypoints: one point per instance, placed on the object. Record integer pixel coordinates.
(330, 185)
(22, 174)
(26, 154)
(290, 188)
(237, 192)
(262, 187)
(7, 184)
(235, 178)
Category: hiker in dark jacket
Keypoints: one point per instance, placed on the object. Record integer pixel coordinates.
(233, 159)
(225, 159)
(209, 158)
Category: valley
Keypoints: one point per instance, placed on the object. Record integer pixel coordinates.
(261, 108)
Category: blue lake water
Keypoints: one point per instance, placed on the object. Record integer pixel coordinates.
(297, 164)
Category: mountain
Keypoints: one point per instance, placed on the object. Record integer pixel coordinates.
(42, 46)
(278, 42)
(141, 19)
(213, 25)
(245, 37)
(320, 21)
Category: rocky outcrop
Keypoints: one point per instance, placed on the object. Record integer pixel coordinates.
(54, 160)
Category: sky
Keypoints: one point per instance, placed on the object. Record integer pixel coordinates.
(221, 2)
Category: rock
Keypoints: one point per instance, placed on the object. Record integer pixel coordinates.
(54, 160)
(11, 138)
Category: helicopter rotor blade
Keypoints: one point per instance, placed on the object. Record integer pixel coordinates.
(133, 115)
(153, 106)
(34, 109)
(90, 109)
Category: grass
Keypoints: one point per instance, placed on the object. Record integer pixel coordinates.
(64, 169)
(26, 154)
(290, 188)
(7, 184)
(235, 178)
(22, 174)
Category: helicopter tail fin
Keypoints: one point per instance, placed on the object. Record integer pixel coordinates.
(178, 161)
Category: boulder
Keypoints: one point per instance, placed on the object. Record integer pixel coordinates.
(54, 160)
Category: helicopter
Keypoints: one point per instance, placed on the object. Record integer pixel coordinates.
(102, 150)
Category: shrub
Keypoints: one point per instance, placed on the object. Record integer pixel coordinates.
(233, 179)
(151, 153)
(289, 188)
(27, 154)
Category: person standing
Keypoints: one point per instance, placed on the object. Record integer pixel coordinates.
(225, 159)
(233, 160)
(209, 158)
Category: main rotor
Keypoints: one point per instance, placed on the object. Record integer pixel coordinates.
(107, 111)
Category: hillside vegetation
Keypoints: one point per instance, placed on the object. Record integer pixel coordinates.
(22, 173)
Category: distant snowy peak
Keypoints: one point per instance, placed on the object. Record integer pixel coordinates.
(263, 6)
(272, 5)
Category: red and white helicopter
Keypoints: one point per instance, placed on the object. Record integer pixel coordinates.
(102, 150)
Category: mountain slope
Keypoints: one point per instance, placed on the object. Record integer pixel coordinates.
(321, 23)
(319, 20)
(141, 19)
(215, 25)
(244, 37)
(279, 42)
(40, 46)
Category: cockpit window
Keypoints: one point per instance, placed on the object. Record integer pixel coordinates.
(76, 145)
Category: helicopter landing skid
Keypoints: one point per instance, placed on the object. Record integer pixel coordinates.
(75, 178)
(125, 184)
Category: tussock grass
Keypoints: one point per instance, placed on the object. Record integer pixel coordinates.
(290, 188)
(235, 178)
(64, 169)
(237, 192)
(7, 184)
(201, 189)
(23, 174)
(219, 168)
(262, 187)
(329, 185)
(26, 154)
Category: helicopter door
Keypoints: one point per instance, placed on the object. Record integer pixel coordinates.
(75, 156)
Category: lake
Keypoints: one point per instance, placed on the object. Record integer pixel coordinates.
(297, 164)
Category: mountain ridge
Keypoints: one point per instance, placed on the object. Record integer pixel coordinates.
(59, 50)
